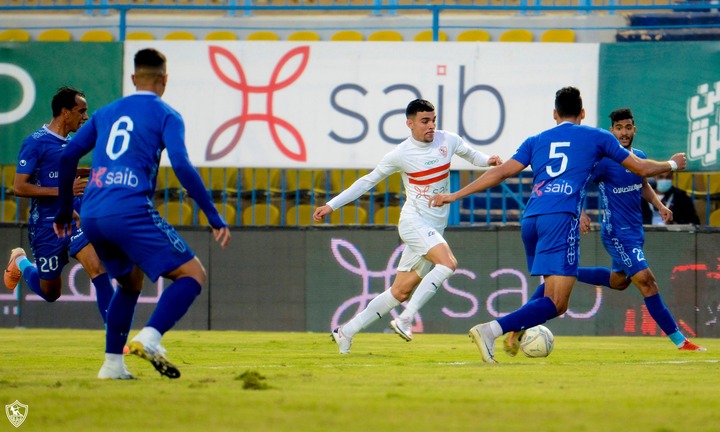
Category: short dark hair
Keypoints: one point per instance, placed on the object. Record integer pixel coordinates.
(568, 102)
(65, 98)
(621, 114)
(150, 58)
(418, 105)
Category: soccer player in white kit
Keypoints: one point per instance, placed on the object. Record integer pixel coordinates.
(423, 160)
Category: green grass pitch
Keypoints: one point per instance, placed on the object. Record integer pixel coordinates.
(435, 383)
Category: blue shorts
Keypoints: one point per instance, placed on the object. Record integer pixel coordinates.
(626, 253)
(50, 252)
(551, 244)
(146, 240)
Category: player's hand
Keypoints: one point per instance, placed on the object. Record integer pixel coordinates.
(440, 200)
(222, 236)
(584, 223)
(680, 160)
(79, 186)
(666, 214)
(495, 160)
(321, 212)
(64, 228)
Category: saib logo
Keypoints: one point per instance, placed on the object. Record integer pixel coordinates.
(216, 150)
(561, 187)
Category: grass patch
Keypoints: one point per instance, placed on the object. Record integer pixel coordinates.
(436, 383)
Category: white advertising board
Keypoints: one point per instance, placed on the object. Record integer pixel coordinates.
(341, 105)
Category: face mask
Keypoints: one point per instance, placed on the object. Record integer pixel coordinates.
(663, 185)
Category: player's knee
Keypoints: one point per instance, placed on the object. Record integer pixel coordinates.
(620, 285)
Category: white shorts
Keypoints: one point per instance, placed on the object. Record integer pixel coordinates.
(419, 237)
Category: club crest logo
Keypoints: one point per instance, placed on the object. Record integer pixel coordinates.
(16, 412)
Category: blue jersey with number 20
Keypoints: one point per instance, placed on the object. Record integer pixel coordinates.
(562, 160)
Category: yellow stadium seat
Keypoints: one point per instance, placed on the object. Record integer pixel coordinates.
(349, 215)
(558, 35)
(167, 179)
(389, 215)
(14, 35)
(385, 36)
(714, 218)
(261, 214)
(9, 210)
(304, 182)
(427, 36)
(263, 181)
(392, 185)
(8, 178)
(221, 35)
(227, 211)
(55, 35)
(300, 215)
(176, 212)
(347, 35)
(263, 35)
(139, 35)
(304, 35)
(179, 35)
(220, 179)
(473, 35)
(97, 36)
(341, 179)
(516, 35)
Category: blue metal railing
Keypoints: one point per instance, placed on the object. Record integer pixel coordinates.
(376, 7)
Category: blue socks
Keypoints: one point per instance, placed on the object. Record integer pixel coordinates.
(594, 276)
(660, 313)
(531, 314)
(104, 293)
(539, 293)
(120, 315)
(174, 303)
(32, 277)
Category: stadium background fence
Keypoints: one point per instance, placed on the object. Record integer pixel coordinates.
(311, 279)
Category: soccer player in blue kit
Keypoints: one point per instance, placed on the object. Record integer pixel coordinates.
(562, 160)
(36, 178)
(128, 137)
(622, 231)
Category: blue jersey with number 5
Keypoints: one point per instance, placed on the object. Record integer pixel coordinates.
(562, 160)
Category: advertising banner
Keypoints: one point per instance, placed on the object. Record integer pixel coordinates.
(31, 73)
(674, 92)
(342, 105)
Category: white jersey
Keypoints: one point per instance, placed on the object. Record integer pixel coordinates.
(425, 171)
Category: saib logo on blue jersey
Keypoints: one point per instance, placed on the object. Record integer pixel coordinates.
(119, 177)
(555, 187)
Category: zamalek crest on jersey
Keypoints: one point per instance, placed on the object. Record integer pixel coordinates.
(443, 150)
(16, 412)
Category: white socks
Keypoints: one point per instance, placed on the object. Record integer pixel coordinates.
(376, 309)
(425, 290)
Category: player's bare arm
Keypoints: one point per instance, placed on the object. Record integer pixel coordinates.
(491, 178)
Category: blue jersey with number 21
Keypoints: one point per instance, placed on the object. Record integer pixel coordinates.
(562, 160)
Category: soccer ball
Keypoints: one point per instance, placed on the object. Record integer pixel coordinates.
(537, 341)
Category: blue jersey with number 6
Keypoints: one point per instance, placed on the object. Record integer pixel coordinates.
(562, 160)
(128, 136)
